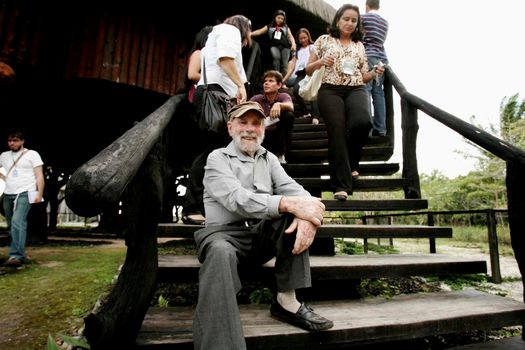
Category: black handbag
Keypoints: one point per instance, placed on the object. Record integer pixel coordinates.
(215, 106)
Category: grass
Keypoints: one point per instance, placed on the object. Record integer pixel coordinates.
(54, 293)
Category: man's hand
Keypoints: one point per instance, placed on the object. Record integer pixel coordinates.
(275, 111)
(304, 207)
(305, 234)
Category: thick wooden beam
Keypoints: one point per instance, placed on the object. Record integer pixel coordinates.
(516, 208)
(100, 182)
(120, 317)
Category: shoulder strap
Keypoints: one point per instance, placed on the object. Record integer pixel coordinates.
(16, 161)
(204, 71)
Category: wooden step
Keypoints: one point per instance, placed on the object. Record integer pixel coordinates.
(185, 268)
(370, 153)
(308, 144)
(362, 321)
(308, 127)
(376, 205)
(309, 135)
(360, 185)
(304, 144)
(320, 169)
(308, 120)
(335, 230)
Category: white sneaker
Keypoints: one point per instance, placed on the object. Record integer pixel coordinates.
(315, 121)
(281, 159)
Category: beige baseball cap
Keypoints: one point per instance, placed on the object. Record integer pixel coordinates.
(240, 109)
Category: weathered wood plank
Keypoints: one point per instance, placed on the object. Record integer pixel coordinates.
(355, 321)
(360, 185)
(370, 153)
(336, 230)
(184, 268)
(320, 169)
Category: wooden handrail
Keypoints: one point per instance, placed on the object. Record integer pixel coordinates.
(498, 147)
(100, 182)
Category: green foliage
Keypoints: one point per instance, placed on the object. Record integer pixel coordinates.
(261, 296)
(461, 281)
(162, 302)
(51, 344)
(75, 342)
(512, 116)
(347, 247)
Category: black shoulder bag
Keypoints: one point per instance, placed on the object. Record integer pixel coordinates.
(215, 106)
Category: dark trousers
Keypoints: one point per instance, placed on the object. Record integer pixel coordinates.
(347, 117)
(217, 323)
(278, 137)
(193, 201)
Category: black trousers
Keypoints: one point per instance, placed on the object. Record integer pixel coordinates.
(278, 136)
(193, 201)
(221, 249)
(347, 117)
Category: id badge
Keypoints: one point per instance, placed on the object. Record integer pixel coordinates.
(277, 35)
(348, 66)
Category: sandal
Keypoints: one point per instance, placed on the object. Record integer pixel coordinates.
(193, 219)
(341, 195)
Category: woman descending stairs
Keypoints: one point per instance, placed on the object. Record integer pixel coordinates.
(357, 321)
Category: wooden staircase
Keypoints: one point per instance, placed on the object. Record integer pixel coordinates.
(358, 322)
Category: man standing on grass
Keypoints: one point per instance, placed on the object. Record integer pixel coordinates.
(24, 185)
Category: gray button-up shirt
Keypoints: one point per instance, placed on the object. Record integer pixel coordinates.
(238, 187)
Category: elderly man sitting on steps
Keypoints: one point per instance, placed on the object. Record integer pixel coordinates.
(254, 211)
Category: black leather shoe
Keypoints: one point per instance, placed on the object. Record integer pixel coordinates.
(304, 318)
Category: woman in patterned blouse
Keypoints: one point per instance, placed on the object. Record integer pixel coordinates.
(342, 98)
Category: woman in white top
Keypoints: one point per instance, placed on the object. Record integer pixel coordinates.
(297, 72)
(222, 59)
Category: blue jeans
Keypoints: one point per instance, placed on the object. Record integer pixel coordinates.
(376, 97)
(16, 208)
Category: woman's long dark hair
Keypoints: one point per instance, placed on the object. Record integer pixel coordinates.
(334, 31)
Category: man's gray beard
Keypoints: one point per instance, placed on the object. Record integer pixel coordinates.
(252, 148)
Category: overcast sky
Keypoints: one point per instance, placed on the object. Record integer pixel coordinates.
(463, 56)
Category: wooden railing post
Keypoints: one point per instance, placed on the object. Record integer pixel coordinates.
(516, 208)
(389, 104)
(391, 240)
(120, 317)
(431, 240)
(493, 246)
(410, 128)
(365, 240)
